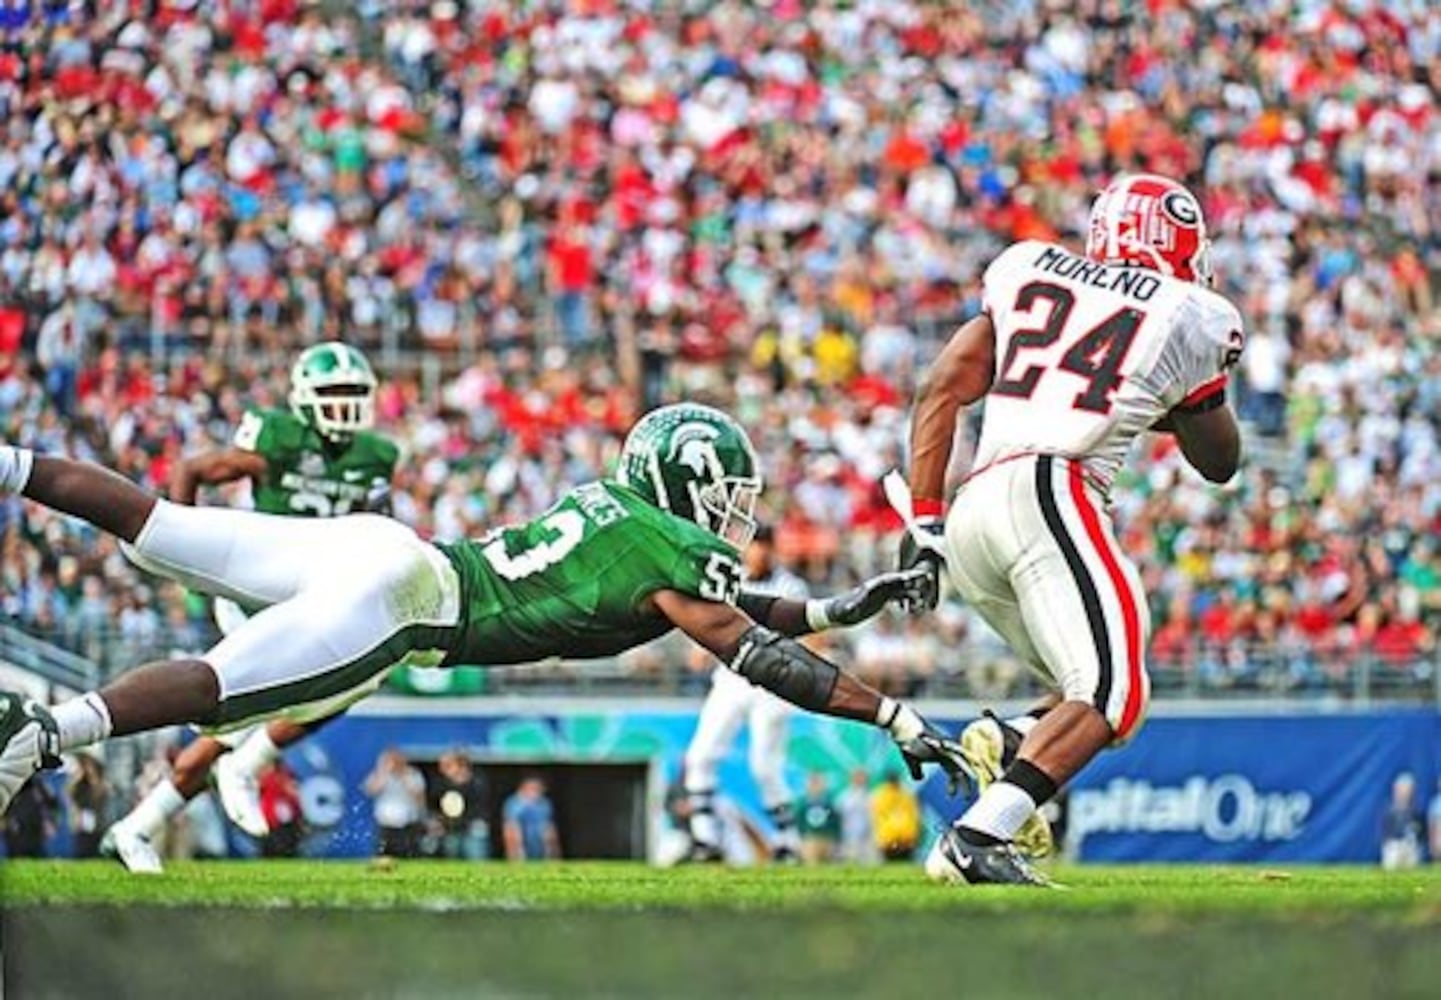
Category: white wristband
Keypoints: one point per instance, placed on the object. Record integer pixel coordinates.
(15, 466)
(816, 617)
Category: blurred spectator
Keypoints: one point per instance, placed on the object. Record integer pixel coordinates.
(397, 791)
(461, 801)
(896, 817)
(280, 803)
(88, 798)
(30, 820)
(543, 218)
(1402, 827)
(1433, 824)
(818, 821)
(530, 833)
(858, 840)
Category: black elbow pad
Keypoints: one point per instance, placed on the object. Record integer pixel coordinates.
(786, 668)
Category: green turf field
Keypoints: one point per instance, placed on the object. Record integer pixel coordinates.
(282, 929)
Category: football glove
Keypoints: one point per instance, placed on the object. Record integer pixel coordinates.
(934, 747)
(866, 601)
(925, 594)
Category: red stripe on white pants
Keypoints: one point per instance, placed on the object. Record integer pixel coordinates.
(1130, 615)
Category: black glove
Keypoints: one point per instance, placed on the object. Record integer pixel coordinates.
(378, 498)
(904, 587)
(934, 747)
(926, 593)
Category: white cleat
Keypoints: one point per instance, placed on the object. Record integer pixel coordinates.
(132, 849)
(28, 743)
(239, 792)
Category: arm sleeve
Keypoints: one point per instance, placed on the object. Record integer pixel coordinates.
(710, 572)
(1216, 343)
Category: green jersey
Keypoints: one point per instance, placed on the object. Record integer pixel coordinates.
(574, 581)
(306, 475)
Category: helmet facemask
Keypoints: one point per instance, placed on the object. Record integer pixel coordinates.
(727, 508)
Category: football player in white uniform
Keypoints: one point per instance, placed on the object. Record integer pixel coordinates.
(730, 703)
(1076, 356)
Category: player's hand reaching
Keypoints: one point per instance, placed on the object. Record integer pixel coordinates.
(903, 587)
(925, 593)
(932, 746)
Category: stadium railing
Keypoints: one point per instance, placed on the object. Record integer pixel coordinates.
(1202, 671)
(53, 664)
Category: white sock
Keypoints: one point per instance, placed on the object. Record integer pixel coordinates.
(160, 803)
(1023, 724)
(1000, 812)
(15, 465)
(255, 752)
(901, 721)
(82, 721)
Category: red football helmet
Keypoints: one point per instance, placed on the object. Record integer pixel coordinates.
(1150, 221)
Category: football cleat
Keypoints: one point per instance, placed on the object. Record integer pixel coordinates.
(29, 742)
(239, 792)
(990, 746)
(132, 849)
(956, 862)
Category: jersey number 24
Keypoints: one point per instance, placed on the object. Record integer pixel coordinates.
(1096, 356)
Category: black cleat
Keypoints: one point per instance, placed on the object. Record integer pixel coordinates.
(703, 854)
(959, 863)
(784, 856)
(29, 742)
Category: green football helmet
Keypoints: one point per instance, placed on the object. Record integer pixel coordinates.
(697, 463)
(332, 388)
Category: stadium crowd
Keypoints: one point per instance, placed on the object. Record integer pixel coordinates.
(573, 211)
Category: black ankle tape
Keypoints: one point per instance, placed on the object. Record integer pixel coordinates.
(1032, 780)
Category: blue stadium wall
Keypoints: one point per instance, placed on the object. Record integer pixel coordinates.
(1213, 788)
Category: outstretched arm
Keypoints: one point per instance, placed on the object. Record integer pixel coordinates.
(213, 468)
(787, 669)
(797, 618)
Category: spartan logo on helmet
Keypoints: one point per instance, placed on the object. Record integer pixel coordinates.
(332, 388)
(697, 463)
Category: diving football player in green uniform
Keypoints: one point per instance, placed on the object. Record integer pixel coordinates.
(613, 564)
(319, 458)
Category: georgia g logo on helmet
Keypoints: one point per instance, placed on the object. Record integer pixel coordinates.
(1146, 220)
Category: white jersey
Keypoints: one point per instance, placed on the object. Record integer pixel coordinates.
(1089, 355)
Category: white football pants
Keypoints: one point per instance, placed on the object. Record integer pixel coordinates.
(343, 600)
(1030, 546)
